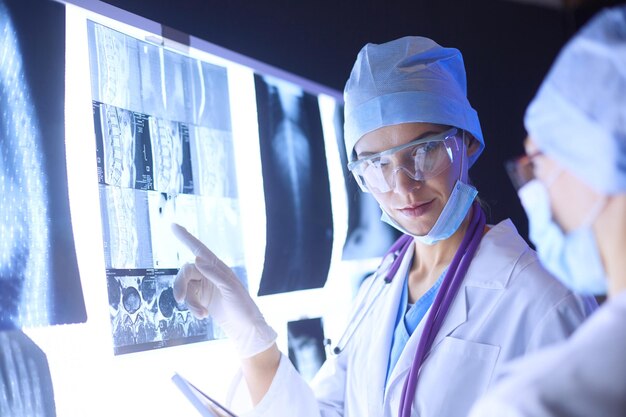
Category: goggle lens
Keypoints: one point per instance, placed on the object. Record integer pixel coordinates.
(420, 160)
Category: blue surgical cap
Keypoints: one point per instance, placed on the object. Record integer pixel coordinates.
(411, 79)
(578, 116)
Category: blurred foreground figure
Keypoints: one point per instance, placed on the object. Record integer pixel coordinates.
(573, 187)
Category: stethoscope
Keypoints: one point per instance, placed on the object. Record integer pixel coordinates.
(388, 268)
(438, 311)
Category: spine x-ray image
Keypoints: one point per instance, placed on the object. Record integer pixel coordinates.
(297, 192)
(25, 381)
(39, 281)
(164, 154)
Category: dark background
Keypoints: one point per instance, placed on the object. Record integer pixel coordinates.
(508, 46)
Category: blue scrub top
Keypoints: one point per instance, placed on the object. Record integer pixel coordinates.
(409, 317)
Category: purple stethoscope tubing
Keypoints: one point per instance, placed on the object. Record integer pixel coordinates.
(446, 294)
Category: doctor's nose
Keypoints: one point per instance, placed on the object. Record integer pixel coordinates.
(403, 182)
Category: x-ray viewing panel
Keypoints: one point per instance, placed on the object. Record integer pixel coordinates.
(39, 281)
(164, 154)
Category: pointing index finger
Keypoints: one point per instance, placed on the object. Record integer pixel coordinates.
(189, 240)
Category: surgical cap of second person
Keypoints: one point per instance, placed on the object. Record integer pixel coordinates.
(411, 79)
(578, 116)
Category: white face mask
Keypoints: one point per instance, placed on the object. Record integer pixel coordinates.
(574, 257)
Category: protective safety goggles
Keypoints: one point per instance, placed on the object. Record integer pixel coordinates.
(521, 169)
(420, 160)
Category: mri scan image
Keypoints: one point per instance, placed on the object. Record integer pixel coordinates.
(123, 147)
(164, 154)
(171, 160)
(164, 83)
(212, 156)
(125, 227)
(144, 314)
(114, 61)
(209, 95)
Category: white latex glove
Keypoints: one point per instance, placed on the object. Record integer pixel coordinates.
(210, 288)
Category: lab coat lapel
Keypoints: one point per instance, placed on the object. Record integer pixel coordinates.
(457, 315)
(379, 352)
(490, 270)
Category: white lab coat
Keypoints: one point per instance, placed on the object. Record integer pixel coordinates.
(507, 306)
(584, 376)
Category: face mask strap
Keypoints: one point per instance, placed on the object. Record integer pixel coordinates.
(463, 158)
(556, 172)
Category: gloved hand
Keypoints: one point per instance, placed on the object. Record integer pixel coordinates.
(210, 288)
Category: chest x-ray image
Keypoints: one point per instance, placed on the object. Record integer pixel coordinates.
(39, 280)
(297, 192)
(368, 237)
(164, 154)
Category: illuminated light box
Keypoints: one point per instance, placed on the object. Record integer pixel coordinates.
(234, 150)
(121, 131)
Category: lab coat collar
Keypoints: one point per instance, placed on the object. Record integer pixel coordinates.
(491, 272)
(379, 355)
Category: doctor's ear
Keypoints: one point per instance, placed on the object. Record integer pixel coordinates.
(471, 144)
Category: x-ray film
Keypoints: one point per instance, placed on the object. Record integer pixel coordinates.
(305, 340)
(144, 314)
(114, 61)
(213, 162)
(209, 95)
(297, 193)
(164, 83)
(164, 154)
(125, 227)
(39, 281)
(124, 151)
(164, 209)
(171, 159)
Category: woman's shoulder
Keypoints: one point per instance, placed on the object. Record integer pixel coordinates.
(506, 258)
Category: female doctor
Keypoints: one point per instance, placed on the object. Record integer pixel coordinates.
(452, 302)
(573, 188)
